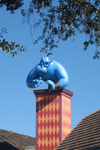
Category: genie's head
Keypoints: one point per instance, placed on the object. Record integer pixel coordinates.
(42, 67)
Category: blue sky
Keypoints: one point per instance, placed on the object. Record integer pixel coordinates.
(17, 101)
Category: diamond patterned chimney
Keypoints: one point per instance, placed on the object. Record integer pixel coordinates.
(53, 117)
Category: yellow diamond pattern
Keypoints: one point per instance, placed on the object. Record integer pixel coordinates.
(50, 118)
(39, 142)
(39, 130)
(53, 118)
(50, 141)
(43, 118)
(48, 130)
(53, 129)
(57, 118)
(50, 106)
(53, 106)
(57, 141)
(46, 118)
(54, 141)
(39, 119)
(46, 142)
(57, 129)
(42, 130)
(42, 141)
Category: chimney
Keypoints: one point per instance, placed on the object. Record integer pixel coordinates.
(53, 117)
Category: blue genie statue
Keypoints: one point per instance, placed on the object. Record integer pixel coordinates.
(50, 71)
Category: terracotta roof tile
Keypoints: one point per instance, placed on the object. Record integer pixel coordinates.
(85, 135)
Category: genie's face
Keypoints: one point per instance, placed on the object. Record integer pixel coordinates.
(42, 67)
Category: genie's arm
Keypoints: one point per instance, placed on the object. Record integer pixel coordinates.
(32, 80)
(32, 75)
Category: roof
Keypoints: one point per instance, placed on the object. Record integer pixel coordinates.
(86, 135)
(14, 141)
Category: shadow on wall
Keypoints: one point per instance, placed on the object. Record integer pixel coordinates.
(43, 103)
(7, 146)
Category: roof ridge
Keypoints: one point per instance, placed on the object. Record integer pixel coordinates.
(91, 114)
(85, 118)
(16, 133)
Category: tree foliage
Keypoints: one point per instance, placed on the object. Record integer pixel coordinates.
(62, 19)
(11, 5)
(9, 47)
(59, 20)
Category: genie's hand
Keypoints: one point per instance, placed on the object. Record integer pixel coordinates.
(51, 84)
(37, 82)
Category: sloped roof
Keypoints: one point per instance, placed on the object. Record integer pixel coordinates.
(14, 141)
(85, 135)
